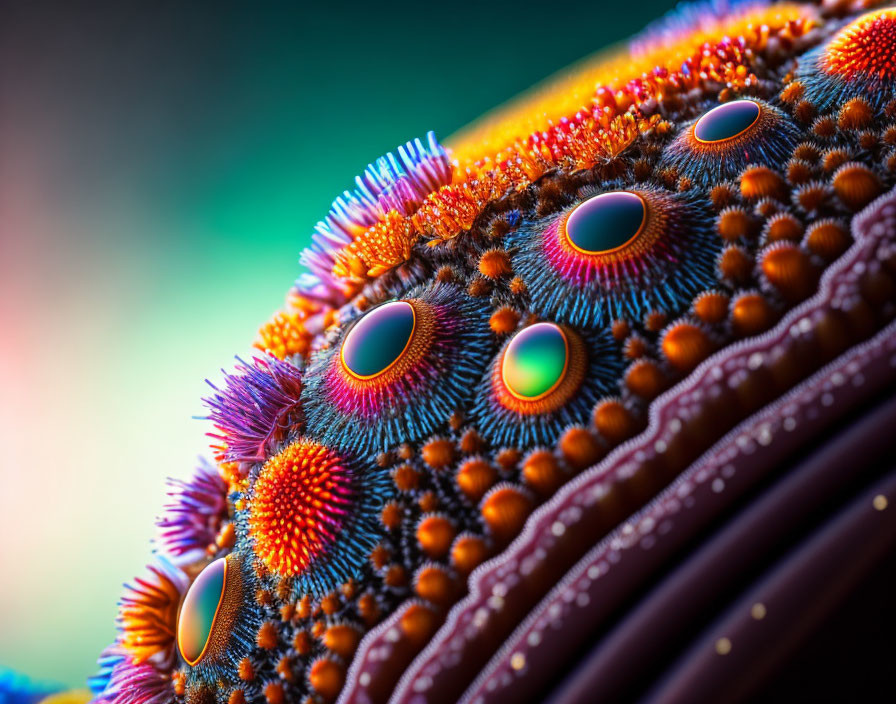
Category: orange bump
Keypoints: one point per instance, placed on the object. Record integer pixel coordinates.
(273, 693)
(579, 447)
(435, 533)
(418, 623)
(434, 584)
(783, 226)
(685, 345)
(734, 223)
(494, 264)
(620, 330)
(855, 114)
(330, 604)
(751, 314)
(326, 677)
(645, 379)
(735, 264)
(542, 472)
(856, 185)
(428, 502)
(368, 608)
(508, 458)
(470, 441)
(379, 556)
(504, 320)
(789, 270)
(828, 239)
(438, 453)
(302, 643)
(391, 515)
(475, 477)
(811, 196)
(613, 421)
(267, 635)
(504, 511)
(793, 92)
(406, 478)
(342, 639)
(711, 306)
(395, 576)
(762, 182)
(833, 159)
(468, 552)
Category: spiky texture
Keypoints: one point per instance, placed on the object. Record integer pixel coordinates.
(396, 182)
(147, 612)
(313, 515)
(768, 142)
(354, 497)
(437, 375)
(256, 409)
(857, 62)
(195, 513)
(507, 422)
(671, 261)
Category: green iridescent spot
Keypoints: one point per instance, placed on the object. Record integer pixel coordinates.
(197, 615)
(378, 340)
(726, 121)
(605, 222)
(535, 361)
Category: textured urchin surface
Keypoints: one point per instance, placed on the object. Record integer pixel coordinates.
(360, 483)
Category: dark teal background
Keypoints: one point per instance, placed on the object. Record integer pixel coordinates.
(162, 164)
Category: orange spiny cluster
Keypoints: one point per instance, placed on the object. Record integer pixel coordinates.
(284, 335)
(378, 249)
(585, 119)
(865, 47)
(594, 134)
(147, 616)
(301, 498)
(619, 75)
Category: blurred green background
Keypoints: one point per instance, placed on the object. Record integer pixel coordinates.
(161, 167)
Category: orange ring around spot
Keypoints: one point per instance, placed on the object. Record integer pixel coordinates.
(613, 250)
(394, 361)
(693, 128)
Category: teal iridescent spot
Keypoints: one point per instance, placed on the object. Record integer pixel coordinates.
(535, 361)
(378, 340)
(197, 615)
(727, 121)
(605, 222)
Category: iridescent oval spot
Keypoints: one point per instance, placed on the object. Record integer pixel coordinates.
(197, 614)
(605, 222)
(535, 361)
(378, 340)
(727, 121)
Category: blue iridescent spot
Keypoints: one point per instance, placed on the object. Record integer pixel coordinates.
(605, 222)
(378, 340)
(727, 121)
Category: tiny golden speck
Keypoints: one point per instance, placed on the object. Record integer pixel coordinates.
(518, 661)
(880, 502)
(723, 646)
(758, 611)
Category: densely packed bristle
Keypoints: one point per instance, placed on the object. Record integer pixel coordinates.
(480, 324)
